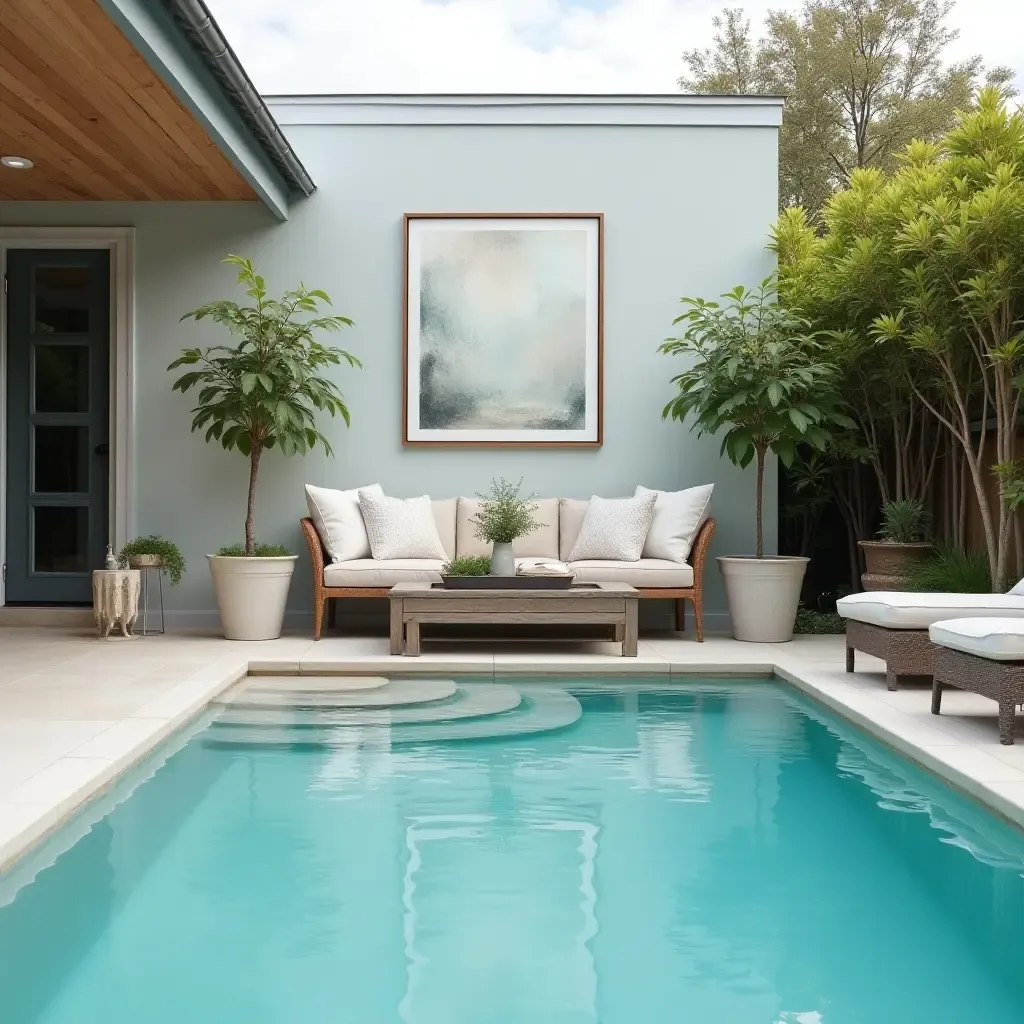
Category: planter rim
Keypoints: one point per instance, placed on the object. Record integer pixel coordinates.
(766, 560)
(146, 558)
(895, 543)
(255, 558)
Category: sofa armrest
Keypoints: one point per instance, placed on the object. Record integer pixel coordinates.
(699, 551)
(316, 550)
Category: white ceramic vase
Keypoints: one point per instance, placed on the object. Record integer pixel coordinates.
(251, 594)
(503, 562)
(763, 594)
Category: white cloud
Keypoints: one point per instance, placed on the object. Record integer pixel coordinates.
(337, 46)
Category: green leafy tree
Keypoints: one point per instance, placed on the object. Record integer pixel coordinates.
(862, 79)
(264, 391)
(758, 372)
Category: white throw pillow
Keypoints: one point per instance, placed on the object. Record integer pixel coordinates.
(677, 516)
(615, 528)
(339, 522)
(400, 527)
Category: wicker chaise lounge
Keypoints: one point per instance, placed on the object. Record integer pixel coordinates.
(984, 656)
(894, 625)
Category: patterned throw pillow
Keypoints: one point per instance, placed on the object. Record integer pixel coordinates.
(615, 528)
(400, 527)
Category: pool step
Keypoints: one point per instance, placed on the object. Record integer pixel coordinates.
(470, 700)
(263, 693)
(539, 710)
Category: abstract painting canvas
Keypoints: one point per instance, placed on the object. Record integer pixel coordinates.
(503, 329)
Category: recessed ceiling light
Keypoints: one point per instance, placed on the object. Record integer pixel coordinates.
(19, 163)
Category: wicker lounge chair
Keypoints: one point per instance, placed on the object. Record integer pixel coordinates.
(983, 656)
(893, 625)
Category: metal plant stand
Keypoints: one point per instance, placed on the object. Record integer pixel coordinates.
(147, 571)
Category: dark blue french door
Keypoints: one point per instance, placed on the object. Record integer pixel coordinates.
(58, 422)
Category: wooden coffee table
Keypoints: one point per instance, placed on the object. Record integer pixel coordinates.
(413, 604)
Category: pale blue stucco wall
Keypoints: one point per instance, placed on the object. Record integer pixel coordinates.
(686, 210)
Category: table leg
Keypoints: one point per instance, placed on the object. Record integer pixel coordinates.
(629, 636)
(412, 638)
(396, 626)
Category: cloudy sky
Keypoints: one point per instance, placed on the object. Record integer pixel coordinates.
(516, 45)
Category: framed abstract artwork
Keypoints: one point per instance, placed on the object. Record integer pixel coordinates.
(503, 329)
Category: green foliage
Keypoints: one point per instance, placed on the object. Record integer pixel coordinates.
(154, 544)
(467, 565)
(810, 621)
(258, 551)
(266, 390)
(904, 522)
(951, 570)
(756, 370)
(504, 515)
(862, 78)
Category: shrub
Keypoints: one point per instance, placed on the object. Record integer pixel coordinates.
(951, 570)
(810, 621)
(467, 565)
(903, 522)
(258, 551)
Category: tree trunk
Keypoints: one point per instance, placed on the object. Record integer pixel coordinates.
(250, 511)
(760, 500)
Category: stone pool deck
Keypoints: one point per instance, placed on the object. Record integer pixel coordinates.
(75, 712)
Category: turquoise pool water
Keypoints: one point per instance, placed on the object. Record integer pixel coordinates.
(726, 854)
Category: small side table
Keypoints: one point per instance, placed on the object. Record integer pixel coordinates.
(115, 599)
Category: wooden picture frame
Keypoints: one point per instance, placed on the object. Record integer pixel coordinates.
(481, 373)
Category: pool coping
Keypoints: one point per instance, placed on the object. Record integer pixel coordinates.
(58, 793)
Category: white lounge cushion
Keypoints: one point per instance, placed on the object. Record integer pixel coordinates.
(677, 517)
(383, 572)
(338, 521)
(1017, 589)
(896, 610)
(400, 527)
(996, 639)
(445, 511)
(571, 512)
(647, 572)
(615, 528)
(539, 543)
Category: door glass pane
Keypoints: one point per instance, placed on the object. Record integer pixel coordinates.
(61, 460)
(61, 300)
(61, 378)
(60, 538)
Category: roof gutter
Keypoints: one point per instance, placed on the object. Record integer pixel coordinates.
(197, 21)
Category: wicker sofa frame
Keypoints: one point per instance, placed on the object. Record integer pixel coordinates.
(1001, 681)
(323, 595)
(907, 653)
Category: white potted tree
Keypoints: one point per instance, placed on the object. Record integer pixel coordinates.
(260, 393)
(759, 372)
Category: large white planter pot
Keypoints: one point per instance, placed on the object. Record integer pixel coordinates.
(763, 594)
(251, 594)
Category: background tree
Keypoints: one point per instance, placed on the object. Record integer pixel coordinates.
(862, 79)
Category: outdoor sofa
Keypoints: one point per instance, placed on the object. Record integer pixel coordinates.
(894, 625)
(562, 518)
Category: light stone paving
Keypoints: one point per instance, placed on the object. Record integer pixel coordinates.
(75, 711)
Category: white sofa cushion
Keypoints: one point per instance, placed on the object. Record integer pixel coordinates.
(677, 517)
(445, 511)
(338, 520)
(647, 572)
(897, 610)
(571, 512)
(615, 528)
(383, 572)
(539, 543)
(400, 527)
(996, 639)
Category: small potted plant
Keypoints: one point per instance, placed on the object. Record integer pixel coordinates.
(261, 392)
(153, 552)
(465, 566)
(757, 371)
(892, 560)
(504, 515)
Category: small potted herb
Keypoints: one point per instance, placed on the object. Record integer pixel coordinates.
(504, 515)
(153, 552)
(892, 560)
(467, 565)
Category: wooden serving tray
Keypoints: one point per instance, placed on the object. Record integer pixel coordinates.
(507, 582)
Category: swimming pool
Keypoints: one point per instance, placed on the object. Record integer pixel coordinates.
(722, 853)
